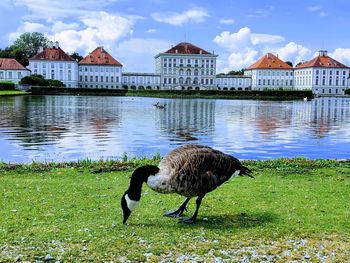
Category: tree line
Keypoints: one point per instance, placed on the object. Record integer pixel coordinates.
(26, 46)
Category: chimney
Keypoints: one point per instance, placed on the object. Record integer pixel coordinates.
(41, 49)
(322, 53)
(57, 44)
(176, 51)
(200, 51)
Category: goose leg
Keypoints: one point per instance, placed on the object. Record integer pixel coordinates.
(193, 219)
(177, 212)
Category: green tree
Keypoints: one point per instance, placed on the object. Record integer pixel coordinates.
(39, 80)
(28, 44)
(76, 56)
(289, 63)
(236, 73)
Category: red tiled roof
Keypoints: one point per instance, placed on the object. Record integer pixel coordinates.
(187, 48)
(10, 64)
(270, 61)
(56, 54)
(321, 61)
(99, 57)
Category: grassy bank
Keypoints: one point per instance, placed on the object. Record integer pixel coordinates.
(210, 94)
(294, 210)
(12, 92)
(224, 94)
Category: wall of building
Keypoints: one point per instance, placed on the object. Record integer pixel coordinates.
(140, 81)
(322, 80)
(13, 75)
(181, 71)
(100, 76)
(233, 82)
(270, 78)
(65, 71)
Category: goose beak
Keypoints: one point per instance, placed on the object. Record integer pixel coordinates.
(126, 210)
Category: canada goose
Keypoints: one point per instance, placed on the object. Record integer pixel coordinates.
(159, 106)
(189, 170)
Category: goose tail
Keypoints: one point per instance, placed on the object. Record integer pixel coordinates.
(245, 171)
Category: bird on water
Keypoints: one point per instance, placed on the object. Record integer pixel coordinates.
(189, 170)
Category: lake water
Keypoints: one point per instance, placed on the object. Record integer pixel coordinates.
(64, 128)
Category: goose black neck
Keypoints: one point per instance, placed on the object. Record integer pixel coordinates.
(140, 176)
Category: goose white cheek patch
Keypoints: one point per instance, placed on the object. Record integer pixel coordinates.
(132, 205)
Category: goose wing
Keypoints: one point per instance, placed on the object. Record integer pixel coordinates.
(197, 170)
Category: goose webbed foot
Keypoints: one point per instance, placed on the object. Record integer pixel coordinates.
(177, 212)
(174, 213)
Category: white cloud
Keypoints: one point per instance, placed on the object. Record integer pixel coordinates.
(137, 54)
(244, 47)
(314, 8)
(227, 21)
(27, 27)
(151, 31)
(293, 52)
(53, 9)
(342, 55)
(266, 39)
(194, 15)
(235, 40)
(59, 26)
(261, 12)
(245, 37)
(99, 28)
(238, 60)
(317, 9)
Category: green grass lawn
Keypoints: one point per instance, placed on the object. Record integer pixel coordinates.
(294, 210)
(12, 92)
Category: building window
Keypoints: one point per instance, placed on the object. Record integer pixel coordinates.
(116, 79)
(19, 75)
(101, 78)
(80, 78)
(86, 78)
(61, 74)
(52, 65)
(112, 79)
(52, 74)
(96, 78)
(91, 78)
(106, 78)
(85, 68)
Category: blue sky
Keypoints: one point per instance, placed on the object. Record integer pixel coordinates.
(134, 31)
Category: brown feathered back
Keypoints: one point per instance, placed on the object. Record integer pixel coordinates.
(196, 170)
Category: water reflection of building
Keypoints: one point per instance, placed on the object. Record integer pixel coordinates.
(46, 119)
(188, 118)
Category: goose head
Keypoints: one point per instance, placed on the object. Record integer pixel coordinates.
(132, 196)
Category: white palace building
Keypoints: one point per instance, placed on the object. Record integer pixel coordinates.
(188, 67)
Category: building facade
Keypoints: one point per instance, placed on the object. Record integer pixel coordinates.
(185, 67)
(100, 70)
(12, 70)
(270, 72)
(54, 63)
(323, 75)
(226, 82)
(141, 81)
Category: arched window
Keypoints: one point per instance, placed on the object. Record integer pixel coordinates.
(196, 72)
(188, 80)
(181, 72)
(188, 72)
(181, 80)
